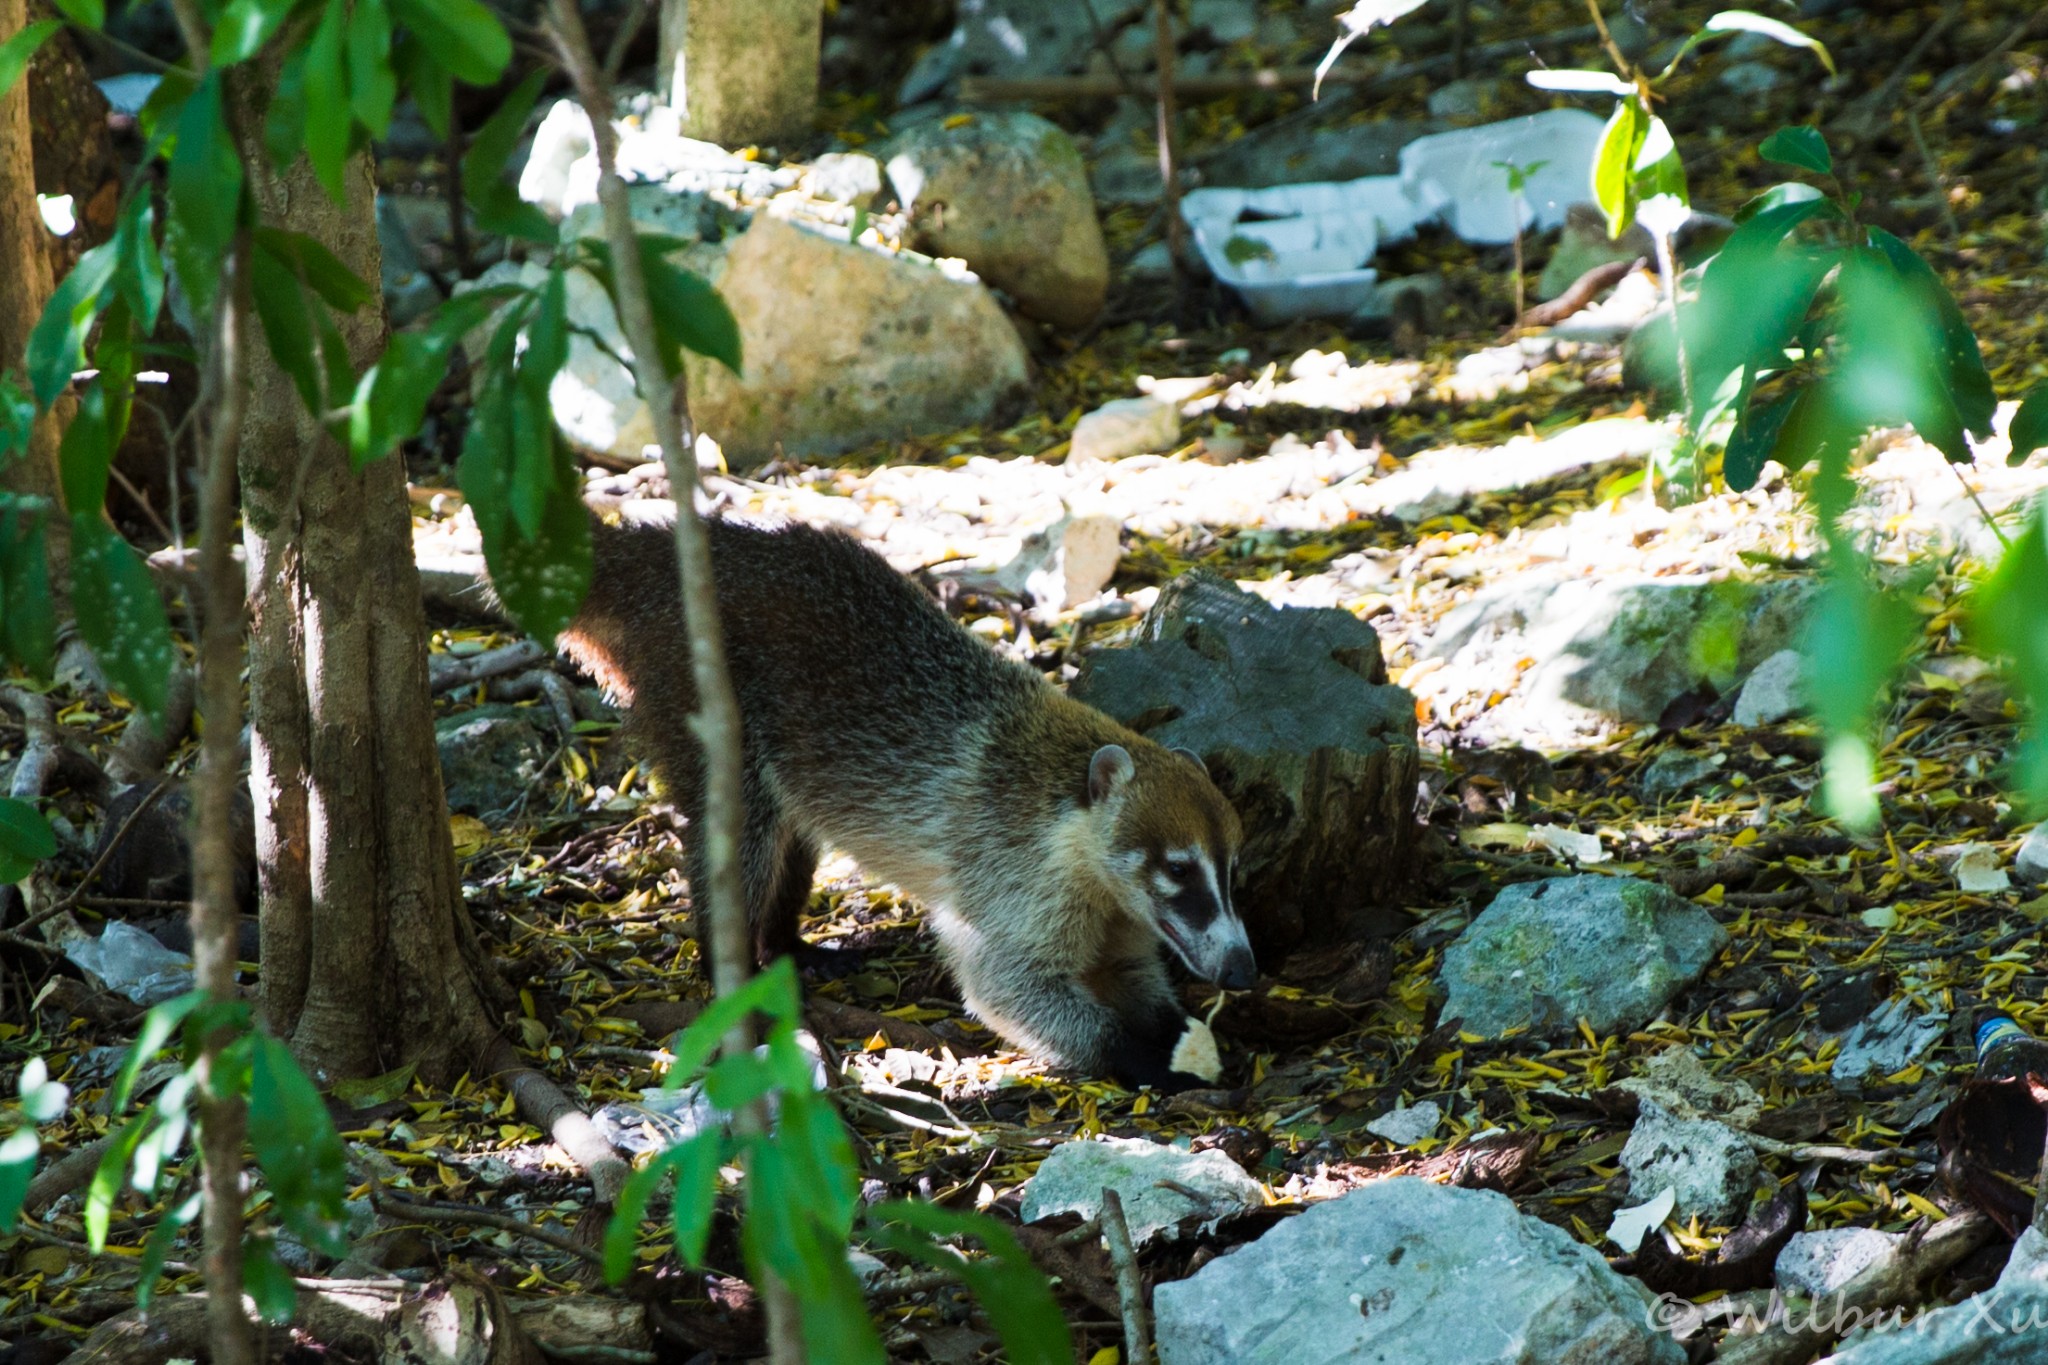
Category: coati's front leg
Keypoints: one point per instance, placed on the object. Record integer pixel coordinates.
(1119, 1017)
(777, 863)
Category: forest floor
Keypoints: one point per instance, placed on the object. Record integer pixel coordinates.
(581, 893)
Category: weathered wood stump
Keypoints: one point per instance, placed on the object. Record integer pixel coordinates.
(1291, 710)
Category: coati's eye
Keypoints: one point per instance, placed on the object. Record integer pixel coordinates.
(1180, 869)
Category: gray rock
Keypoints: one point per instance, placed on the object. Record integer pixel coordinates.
(1708, 1167)
(1416, 301)
(907, 350)
(846, 177)
(1014, 38)
(1125, 426)
(1610, 950)
(1406, 1270)
(2003, 1325)
(1074, 1174)
(1015, 206)
(490, 756)
(1890, 1039)
(1773, 691)
(2031, 862)
(1153, 261)
(1816, 1264)
(1225, 21)
(1291, 711)
(1620, 647)
(1674, 772)
(1292, 152)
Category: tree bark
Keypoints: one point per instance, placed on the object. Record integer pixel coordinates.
(742, 71)
(25, 285)
(368, 958)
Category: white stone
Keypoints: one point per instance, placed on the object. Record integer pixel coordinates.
(1072, 1177)
(1773, 690)
(1410, 1271)
(1816, 1264)
(1125, 426)
(563, 138)
(1707, 1166)
(2031, 862)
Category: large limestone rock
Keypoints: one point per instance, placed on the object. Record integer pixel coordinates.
(1545, 954)
(844, 346)
(1410, 1271)
(1006, 191)
(1291, 710)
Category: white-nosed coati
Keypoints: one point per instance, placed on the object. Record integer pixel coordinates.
(1051, 848)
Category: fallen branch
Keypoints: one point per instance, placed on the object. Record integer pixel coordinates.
(446, 672)
(139, 754)
(547, 1108)
(1583, 291)
(441, 1211)
(43, 746)
(541, 682)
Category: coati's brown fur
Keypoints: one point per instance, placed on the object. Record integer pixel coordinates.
(1051, 848)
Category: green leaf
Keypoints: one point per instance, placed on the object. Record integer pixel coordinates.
(284, 123)
(338, 287)
(1012, 1292)
(1658, 167)
(1968, 383)
(18, 1152)
(56, 346)
(90, 14)
(245, 26)
(621, 1233)
(689, 314)
(28, 618)
(156, 1249)
(297, 1147)
(1614, 163)
(782, 1234)
(431, 87)
(1854, 641)
(771, 991)
(282, 310)
(465, 37)
(372, 87)
(541, 579)
(2029, 429)
(497, 205)
(1745, 21)
(1891, 369)
(140, 270)
(328, 119)
(206, 171)
(158, 119)
(1753, 296)
(18, 51)
(392, 396)
(266, 1280)
(1802, 147)
(157, 1027)
(1791, 192)
(17, 418)
(24, 832)
(695, 1199)
(108, 1178)
(2007, 619)
(1755, 437)
(87, 451)
(120, 614)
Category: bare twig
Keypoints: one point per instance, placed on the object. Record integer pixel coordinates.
(44, 746)
(442, 1211)
(1169, 174)
(547, 1108)
(446, 672)
(1130, 1286)
(717, 722)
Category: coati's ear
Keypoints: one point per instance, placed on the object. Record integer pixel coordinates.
(1191, 756)
(1108, 770)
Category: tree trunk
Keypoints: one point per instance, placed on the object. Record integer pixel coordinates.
(742, 71)
(368, 958)
(24, 288)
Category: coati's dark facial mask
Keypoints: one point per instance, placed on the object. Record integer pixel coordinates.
(1191, 906)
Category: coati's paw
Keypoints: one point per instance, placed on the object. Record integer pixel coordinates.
(1195, 1054)
(828, 964)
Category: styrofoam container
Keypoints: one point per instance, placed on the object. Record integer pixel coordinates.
(1311, 243)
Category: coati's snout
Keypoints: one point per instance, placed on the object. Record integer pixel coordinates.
(1178, 838)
